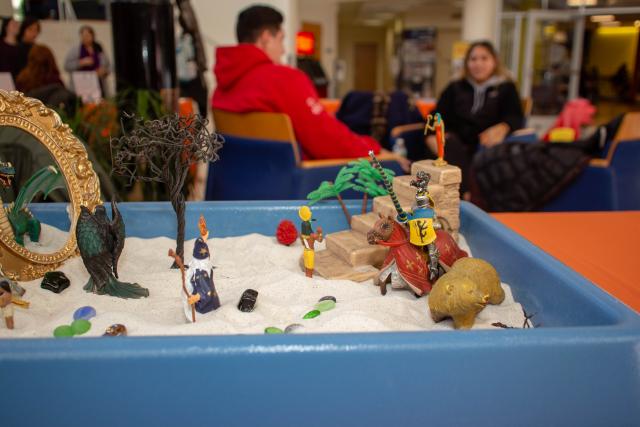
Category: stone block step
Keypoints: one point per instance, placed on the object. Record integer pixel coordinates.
(439, 174)
(353, 248)
(363, 223)
(330, 266)
(384, 205)
(407, 193)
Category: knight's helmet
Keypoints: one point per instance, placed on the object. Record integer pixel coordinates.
(423, 198)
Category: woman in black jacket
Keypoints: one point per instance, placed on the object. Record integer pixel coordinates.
(480, 109)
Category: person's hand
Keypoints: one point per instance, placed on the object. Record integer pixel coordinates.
(194, 299)
(493, 135)
(86, 61)
(405, 163)
(102, 72)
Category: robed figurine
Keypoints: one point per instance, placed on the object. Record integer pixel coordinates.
(199, 283)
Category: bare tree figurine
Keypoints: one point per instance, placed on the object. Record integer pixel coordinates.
(162, 151)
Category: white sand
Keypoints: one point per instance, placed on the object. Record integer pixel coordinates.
(251, 261)
(51, 240)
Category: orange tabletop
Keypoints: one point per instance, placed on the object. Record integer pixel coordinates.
(602, 246)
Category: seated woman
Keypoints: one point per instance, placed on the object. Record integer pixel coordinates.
(88, 56)
(41, 79)
(479, 109)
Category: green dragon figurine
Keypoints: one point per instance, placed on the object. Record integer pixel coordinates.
(16, 219)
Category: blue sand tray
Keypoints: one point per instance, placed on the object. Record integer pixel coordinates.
(581, 367)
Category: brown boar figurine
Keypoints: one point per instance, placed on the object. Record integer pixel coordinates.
(483, 274)
(456, 296)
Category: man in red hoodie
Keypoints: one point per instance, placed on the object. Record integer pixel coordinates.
(251, 78)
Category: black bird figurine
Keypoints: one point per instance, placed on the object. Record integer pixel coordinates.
(100, 242)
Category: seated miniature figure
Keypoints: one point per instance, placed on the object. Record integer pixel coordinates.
(199, 280)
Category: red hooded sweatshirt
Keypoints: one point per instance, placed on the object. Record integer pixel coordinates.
(249, 81)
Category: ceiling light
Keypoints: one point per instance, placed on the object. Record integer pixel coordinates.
(602, 18)
(577, 3)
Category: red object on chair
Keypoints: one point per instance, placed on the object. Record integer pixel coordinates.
(575, 114)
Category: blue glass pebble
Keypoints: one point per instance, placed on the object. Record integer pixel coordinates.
(86, 313)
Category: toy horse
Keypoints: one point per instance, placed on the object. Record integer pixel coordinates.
(406, 265)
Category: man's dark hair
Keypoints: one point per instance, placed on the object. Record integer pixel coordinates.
(253, 20)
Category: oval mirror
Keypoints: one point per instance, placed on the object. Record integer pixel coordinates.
(41, 162)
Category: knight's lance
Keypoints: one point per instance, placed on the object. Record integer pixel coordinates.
(402, 215)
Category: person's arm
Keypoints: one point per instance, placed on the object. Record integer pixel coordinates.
(72, 60)
(320, 135)
(105, 64)
(511, 107)
(511, 117)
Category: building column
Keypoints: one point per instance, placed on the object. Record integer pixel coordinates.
(480, 20)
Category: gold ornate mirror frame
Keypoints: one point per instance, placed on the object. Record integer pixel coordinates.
(44, 124)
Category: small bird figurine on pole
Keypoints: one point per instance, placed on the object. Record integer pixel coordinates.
(438, 127)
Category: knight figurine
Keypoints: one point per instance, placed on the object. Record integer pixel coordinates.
(421, 221)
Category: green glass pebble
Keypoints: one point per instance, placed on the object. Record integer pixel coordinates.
(273, 330)
(63, 331)
(312, 314)
(325, 305)
(80, 326)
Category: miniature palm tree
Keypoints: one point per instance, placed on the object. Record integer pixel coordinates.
(162, 151)
(368, 180)
(329, 189)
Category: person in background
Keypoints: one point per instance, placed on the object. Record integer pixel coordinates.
(89, 56)
(41, 79)
(479, 109)
(250, 77)
(190, 77)
(29, 32)
(41, 70)
(9, 50)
